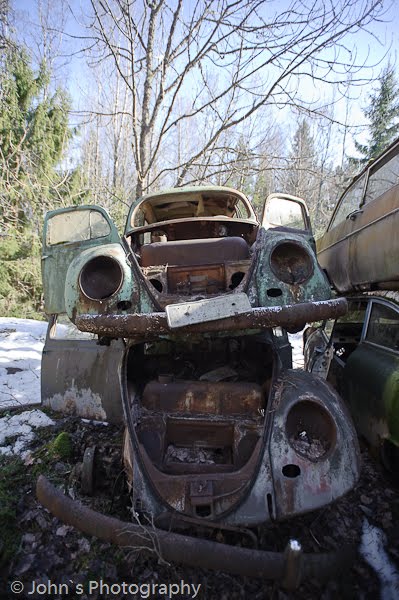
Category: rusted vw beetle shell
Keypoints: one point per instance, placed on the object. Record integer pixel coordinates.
(179, 330)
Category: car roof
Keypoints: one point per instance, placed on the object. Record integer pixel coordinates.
(185, 202)
(367, 166)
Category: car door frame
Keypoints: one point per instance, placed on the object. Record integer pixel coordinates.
(56, 258)
(307, 231)
(82, 376)
(375, 429)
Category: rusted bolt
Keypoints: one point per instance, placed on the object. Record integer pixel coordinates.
(292, 565)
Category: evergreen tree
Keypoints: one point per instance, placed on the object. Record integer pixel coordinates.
(383, 114)
(34, 132)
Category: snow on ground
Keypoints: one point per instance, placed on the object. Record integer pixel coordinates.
(21, 345)
(17, 431)
(297, 345)
(372, 549)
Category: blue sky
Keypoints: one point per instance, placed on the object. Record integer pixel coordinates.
(375, 48)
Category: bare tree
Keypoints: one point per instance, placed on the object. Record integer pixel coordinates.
(106, 154)
(227, 59)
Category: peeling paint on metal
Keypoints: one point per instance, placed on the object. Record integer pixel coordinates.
(82, 403)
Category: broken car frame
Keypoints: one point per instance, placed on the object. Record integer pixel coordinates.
(183, 323)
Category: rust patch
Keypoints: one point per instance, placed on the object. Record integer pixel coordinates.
(291, 263)
(223, 398)
(155, 324)
(209, 279)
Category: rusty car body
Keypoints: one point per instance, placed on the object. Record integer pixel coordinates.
(359, 355)
(180, 333)
(359, 250)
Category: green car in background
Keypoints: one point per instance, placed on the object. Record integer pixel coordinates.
(359, 355)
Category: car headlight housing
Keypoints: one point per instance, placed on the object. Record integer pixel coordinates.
(310, 430)
(291, 262)
(101, 277)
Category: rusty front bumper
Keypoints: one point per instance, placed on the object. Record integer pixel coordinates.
(154, 324)
(290, 567)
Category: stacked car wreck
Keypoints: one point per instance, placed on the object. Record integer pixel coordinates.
(359, 353)
(186, 317)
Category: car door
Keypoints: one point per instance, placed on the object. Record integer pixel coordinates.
(328, 348)
(66, 233)
(282, 211)
(80, 373)
(371, 376)
(333, 248)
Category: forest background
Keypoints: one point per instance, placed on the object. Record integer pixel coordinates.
(102, 101)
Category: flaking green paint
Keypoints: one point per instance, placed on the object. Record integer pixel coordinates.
(56, 259)
(316, 288)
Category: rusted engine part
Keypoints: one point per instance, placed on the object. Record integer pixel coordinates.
(199, 441)
(155, 324)
(198, 279)
(186, 267)
(290, 568)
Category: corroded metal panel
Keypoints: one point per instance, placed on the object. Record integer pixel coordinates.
(155, 324)
(76, 301)
(209, 309)
(223, 398)
(361, 251)
(80, 377)
(194, 252)
(270, 290)
(315, 456)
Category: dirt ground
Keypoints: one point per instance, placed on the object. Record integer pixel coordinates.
(46, 550)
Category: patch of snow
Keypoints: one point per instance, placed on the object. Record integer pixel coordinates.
(295, 546)
(21, 345)
(296, 341)
(21, 428)
(372, 548)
